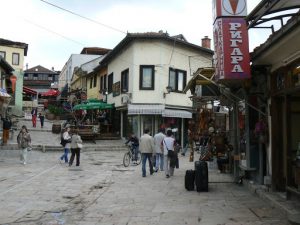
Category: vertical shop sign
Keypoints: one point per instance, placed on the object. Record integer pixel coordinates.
(231, 58)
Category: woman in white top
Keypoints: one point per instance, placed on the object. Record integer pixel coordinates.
(67, 139)
(168, 143)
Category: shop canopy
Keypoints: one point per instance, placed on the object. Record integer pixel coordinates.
(29, 91)
(93, 105)
(51, 92)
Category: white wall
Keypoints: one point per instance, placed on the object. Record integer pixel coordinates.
(161, 55)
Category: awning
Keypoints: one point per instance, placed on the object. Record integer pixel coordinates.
(144, 109)
(28, 90)
(177, 113)
(3, 93)
(51, 92)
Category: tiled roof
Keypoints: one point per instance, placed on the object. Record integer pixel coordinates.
(40, 69)
(5, 42)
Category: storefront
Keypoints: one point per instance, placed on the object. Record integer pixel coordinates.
(154, 116)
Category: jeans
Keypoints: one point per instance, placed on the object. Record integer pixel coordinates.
(23, 155)
(146, 156)
(135, 150)
(75, 151)
(159, 161)
(65, 155)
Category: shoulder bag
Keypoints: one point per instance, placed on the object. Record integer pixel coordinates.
(170, 152)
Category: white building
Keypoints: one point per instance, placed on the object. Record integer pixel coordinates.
(139, 69)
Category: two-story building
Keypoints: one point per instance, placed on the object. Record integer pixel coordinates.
(14, 52)
(146, 75)
(5, 71)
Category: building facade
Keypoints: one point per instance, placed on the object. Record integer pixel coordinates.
(14, 53)
(146, 75)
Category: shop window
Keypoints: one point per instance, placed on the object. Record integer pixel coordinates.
(3, 54)
(177, 79)
(15, 58)
(124, 81)
(146, 77)
(110, 82)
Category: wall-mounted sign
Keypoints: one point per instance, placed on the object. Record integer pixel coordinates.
(229, 8)
(231, 58)
(116, 87)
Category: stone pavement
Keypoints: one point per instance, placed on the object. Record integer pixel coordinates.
(102, 192)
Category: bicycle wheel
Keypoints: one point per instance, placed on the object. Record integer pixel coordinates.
(139, 158)
(126, 159)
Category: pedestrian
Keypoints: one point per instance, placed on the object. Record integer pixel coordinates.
(168, 143)
(42, 118)
(6, 127)
(147, 149)
(66, 142)
(24, 142)
(159, 150)
(76, 145)
(33, 116)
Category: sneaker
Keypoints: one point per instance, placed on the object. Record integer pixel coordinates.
(155, 170)
(144, 176)
(168, 176)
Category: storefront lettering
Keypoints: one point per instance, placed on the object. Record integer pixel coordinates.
(236, 54)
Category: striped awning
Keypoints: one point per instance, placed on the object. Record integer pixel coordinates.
(177, 113)
(145, 109)
(3, 93)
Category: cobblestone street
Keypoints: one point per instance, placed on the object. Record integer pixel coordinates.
(102, 191)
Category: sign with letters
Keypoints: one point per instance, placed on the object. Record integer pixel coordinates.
(229, 8)
(231, 58)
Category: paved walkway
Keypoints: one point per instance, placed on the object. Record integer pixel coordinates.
(103, 192)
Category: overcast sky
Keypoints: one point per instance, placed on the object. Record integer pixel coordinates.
(53, 35)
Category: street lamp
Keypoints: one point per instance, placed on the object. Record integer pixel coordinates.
(105, 93)
(169, 89)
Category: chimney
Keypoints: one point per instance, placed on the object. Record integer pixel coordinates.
(52, 68)
(206, 42)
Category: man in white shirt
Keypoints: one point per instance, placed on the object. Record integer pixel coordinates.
(147, 149)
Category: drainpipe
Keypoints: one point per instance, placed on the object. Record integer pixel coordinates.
(236, 135)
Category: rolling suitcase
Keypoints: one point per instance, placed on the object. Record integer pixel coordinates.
(201, 176)
(189, 180)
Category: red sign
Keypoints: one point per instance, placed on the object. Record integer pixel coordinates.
(231, 58)
(229, 8)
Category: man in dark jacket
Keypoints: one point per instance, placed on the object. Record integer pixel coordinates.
(6, 127)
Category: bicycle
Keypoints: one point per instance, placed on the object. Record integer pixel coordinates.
(129, 156)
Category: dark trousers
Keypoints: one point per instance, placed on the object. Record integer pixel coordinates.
(146, 156)
(75, 151)
(42, 121)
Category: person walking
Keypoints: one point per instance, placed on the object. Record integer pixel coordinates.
(159, 151)
(33, 116)
(134, 141)
(66, 139)
(6, 127)
(42, 118)
(168, 144)
(24, 142)
(147, 149)
(76, 145)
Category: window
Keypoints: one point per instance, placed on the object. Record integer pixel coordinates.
(95, 80)
(124, 81)
(15, 58)
(25, 76)
(146, 77)
(91, 82)
(3, 54)
(110, 82)
(177, 79)
(35, 76)
(30, 76)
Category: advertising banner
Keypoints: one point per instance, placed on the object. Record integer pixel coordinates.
(229, 8)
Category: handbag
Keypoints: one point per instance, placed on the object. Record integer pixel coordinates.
(170, 152)
(79, 145)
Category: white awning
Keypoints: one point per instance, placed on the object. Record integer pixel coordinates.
(177, 113)
(145, 109)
